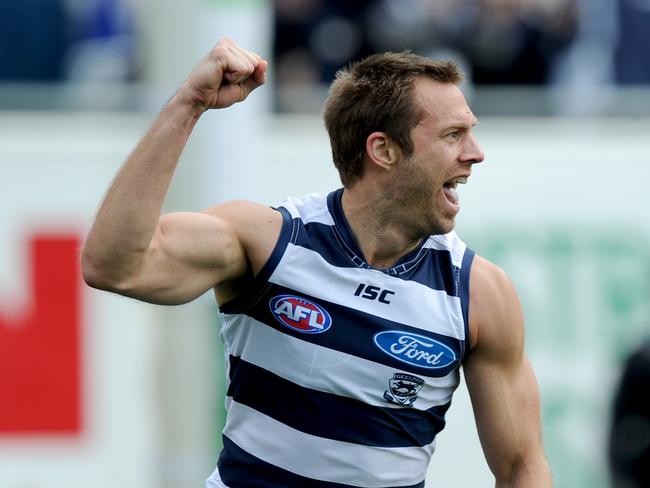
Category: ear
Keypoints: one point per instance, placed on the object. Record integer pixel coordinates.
(381, 150)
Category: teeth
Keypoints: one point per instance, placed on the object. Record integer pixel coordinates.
(455, 182)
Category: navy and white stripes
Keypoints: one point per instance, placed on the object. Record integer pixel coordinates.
(328, 388)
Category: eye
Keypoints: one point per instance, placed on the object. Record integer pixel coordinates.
(453, 136)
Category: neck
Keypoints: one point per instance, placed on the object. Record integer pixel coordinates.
(380, 231)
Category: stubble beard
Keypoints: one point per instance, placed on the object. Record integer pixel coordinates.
(418, 204)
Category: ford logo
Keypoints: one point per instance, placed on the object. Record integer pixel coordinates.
(415, 349)
(300, 314)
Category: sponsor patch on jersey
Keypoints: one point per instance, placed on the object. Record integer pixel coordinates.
(300, 314)
(415, 349)
(403, 389)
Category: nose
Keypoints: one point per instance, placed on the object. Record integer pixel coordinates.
(472, 151)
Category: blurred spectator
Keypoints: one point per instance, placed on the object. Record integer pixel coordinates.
(517, 41)
(503, 41)
(585, 73)
(104, 41)
(59, 40)
(33, 40)
(632, 58)
(629, 443)
(313, 39)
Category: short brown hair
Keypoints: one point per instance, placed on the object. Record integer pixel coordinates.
(376, 94)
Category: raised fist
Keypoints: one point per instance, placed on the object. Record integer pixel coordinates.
(225, 76)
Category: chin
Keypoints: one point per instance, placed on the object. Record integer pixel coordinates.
(446, 225)
(447, 229)
(440, 227)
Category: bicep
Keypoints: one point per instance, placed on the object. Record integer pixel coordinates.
(189, 254)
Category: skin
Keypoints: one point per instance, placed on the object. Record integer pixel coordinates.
(174, 258)
(404, 197)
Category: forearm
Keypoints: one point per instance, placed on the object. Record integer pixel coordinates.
(127, 218)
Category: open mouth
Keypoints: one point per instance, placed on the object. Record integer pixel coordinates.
(450, 189)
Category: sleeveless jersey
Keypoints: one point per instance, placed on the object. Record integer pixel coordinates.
(339, 374)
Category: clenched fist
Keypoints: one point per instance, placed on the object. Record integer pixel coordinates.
(225, 76)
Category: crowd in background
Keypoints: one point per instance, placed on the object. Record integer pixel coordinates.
(66, 40)
(572, 43)
(575, 43)
(500, 41)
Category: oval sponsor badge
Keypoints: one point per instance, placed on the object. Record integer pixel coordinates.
(415, 349)
(300, 314)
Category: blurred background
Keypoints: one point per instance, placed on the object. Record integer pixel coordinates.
(101, 391)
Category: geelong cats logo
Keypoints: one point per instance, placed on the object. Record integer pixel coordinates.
(300, 314)
(403, 389)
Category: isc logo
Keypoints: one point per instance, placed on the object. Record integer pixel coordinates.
(300, 314)
(370, 292)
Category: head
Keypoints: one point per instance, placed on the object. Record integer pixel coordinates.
(377, 95)
(400, 122)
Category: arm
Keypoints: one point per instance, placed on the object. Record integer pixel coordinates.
(501, 382)
(171, 259)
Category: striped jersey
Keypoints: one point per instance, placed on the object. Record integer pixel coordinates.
(339, 374)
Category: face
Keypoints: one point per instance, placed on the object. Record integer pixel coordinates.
(444, 150)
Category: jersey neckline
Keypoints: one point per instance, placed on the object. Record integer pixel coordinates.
(350, 246)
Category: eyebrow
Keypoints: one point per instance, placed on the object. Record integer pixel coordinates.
(460, 126)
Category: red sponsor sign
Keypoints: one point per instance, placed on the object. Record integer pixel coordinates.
(40, 345)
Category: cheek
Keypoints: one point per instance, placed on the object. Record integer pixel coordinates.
(423, 174)
(432, 177)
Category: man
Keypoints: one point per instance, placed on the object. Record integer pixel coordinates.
(629, 435)
(347, 316)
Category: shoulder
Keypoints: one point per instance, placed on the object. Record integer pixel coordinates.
(255, 226)
(496, 318)
(237, 210)
(247, 219)
(244, 215)
(309, 208)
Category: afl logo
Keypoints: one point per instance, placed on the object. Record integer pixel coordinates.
(300, 314)
(415, 349)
